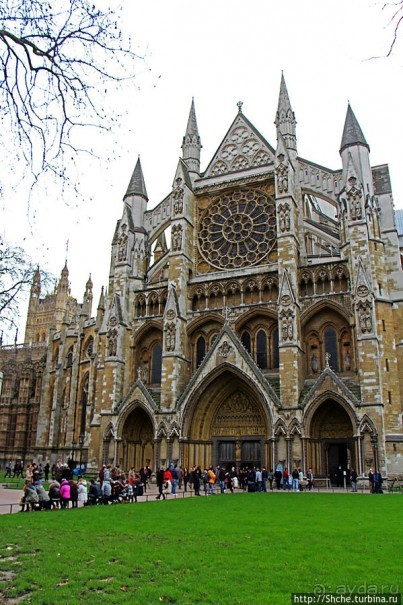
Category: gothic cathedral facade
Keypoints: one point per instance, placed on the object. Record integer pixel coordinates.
(254, 316)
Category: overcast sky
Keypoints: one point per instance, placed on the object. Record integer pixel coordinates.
(220, 53)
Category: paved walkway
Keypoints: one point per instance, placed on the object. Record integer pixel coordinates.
(9, 498)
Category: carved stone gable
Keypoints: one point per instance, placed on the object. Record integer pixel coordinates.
(242, 148)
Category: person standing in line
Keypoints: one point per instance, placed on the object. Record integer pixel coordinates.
(286, 476)
(185, 478)
(354, 478)
(175, 480)
(251, 479)
(378, 480)
(339, 477)
(265, 476)
(160, 484)
(211, 480)
(270, 477)
(167, 481)
(278, 475)
(9, 467)
(196, 479)
(295, 480)
(221, 478)
(371, 480)
(180, 477)
(259, 480)
(144, 478)
(309, 477)
(300, 480)
(46, 471)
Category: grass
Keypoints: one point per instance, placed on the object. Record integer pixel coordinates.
(247, 548)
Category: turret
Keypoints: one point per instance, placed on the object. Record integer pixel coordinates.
(191, 145)
(88, 297)
(285, 120)
(63, 286)
(136, 197)
(36, 284)
(353, 144)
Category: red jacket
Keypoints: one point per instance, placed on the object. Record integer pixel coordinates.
(168, 476)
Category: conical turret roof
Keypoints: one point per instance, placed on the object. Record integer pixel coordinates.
(191, 127)
(137, 185)
(352, 133)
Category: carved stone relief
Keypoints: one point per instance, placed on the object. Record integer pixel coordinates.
(284, 218)
(176, 238)
(282, 175)
(177, 195)
(170, 336)
(112, 341)
(239, 416)
(287, 325)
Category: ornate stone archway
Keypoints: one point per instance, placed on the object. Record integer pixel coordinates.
(136, 447)
(331, 441)
(228, 424)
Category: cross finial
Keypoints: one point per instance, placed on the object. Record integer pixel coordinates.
(240, 103)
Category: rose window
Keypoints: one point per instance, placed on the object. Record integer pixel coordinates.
(238, 229)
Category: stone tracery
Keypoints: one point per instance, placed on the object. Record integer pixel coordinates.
(238, 229)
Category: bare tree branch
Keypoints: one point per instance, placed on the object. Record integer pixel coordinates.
(16, 275)
(58, 62)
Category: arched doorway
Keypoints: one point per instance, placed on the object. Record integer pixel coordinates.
(331, 441)
(137, 448)
(227, 425)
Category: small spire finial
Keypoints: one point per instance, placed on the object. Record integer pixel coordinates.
(239, 104)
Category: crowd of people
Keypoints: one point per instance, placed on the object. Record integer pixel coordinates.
(65, 490)
(212, 479)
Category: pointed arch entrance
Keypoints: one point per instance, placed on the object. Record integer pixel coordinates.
(331, 444)
(227, 424)
(137, 440)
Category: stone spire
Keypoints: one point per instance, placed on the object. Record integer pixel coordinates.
(87, 300)
(285, 118)
(352, 133)
(63, 285)
(101, 308)
(101, 303)
(191, 144)
(137, 185)
(353, 144)
(36, 284)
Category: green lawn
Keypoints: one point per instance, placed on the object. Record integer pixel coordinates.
(246, 548)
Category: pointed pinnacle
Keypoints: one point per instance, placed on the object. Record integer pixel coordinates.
(352, 133)
(191, 127)
(137, 185)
